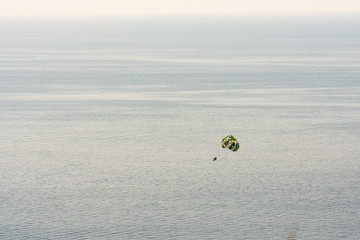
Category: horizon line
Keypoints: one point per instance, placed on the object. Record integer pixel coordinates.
(180, 15)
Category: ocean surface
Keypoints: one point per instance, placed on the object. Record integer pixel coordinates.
(108, 128)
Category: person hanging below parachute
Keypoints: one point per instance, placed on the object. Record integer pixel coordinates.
(230, 142)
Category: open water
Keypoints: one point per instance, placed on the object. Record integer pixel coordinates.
(108, 128)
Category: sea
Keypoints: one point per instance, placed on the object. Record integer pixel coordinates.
(109, 127)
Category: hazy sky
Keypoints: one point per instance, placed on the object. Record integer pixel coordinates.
(154, 7)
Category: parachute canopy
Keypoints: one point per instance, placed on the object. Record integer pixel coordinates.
(230, 142)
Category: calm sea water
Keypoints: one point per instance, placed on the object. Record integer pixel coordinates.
(108, 128)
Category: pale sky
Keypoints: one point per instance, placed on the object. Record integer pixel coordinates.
(111, 8)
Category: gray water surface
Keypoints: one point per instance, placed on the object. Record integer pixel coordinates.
(108, 129)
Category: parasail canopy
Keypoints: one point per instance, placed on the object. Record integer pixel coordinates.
(230, 142)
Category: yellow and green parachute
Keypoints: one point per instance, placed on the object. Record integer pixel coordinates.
(230, 142)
